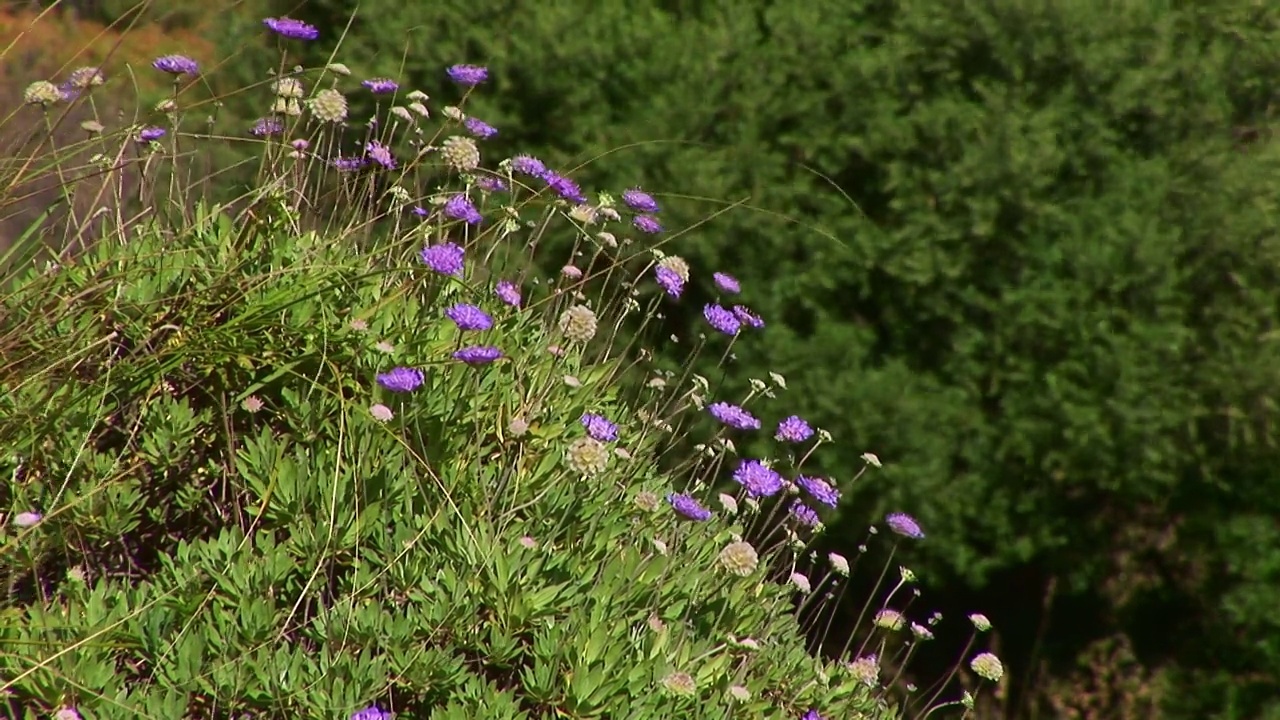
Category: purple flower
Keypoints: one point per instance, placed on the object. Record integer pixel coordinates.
(721, 319)
(564, 187)
(904, 525)
(401, 379)
(528, 165)
(747, 317)
(480, 128)
(150, 134)
(444, 258)
(292, 29)
(460, 207)
(727, 283)
(647, 223)
(599, 428)
(478, 354)
(637, 199)
(794, 429)
(27, 519)
(267, 126)
(733, 416)
(469, 317)
(468, 74)
(804, 514)
(820, 489)
(812, 715)
(381, 154)
(176, 65)
(670, 281)
(349, 164)
(688, 507)
(300, 144)
(373, 712)
(758, 479)
(507, 292)
(489, 183)
(381, 86)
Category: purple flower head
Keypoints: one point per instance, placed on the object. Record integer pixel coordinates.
(670, 281)
(721, 319)
(469, 75)
(758, 479)
(564, 187)
(381, 154)
(804, 514)
(637, 199)
(349, 164)
(812, 715)
(150, 134)
(300, 144)
(507, 292)
(820, 490)
(267, 126)
(373, 712)
(904, 525)
(528, 165)
(688, 507)
(727, 283)
(647, 223)
(420, 211)
(733, 416)
(794, 429)
(444, 258)
(478, 354)
(292, 29)
(488, 183)
(469, 317)
(599, 428)
(401, 379)
(381, 86)
(460, 207)
(480, 128)
(176, 65)
(747, 317)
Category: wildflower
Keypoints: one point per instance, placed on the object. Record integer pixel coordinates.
(349, 164)
(572, 272)
(739, 693)
(92, 126)
(151, 134)
(812, 715)
(733, 416)
(838, 563)
(381, 86)
(647, 223)
(176, 65)
(889, 619)
(739, 558)
(746, 317)
(469, 317)
(358, 325)
(987, 666)
(904, 525)
(758, 479)
(489, 183)
(292, 29)
(518, 427)
(587, 456)
(528, 165)
(794, 429)
(420, 109)
(480, 128)
(403, 114)
(338, 69)
(267, 126)
(401, 379)
(980, 622)
(445, 258)
(288, 87)
(373, 712)
(801, 582)
(721, 319)
(866, 669)
(460, 153)
(637, 199)
(381, 412)
(689, 507)
(906, 574)
(679, 683)
(564, 187)
(729, 503)
(727, 283)
(646, 501)
(669, 281)
(381, 154)
(804, 514)
(252, 404)
(676, 264)
(478, 354)
(921, 632)
(820, 490)
(329, 105)
(66, 713)
(85, 77)
(460, 207)
(27, 519)
(599, 428)
(578, 323)
(507, 292)
(468, 74)
(871, 459)
(528, 543)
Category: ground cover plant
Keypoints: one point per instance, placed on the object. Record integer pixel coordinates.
(339, 449)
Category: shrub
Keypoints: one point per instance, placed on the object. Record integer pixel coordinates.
(337, 449)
